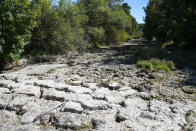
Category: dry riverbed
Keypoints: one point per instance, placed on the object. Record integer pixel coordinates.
(99, 91)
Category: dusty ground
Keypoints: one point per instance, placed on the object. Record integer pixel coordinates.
(101, 91)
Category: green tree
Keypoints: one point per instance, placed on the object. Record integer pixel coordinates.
(126, 8)
(17, 19)
(108, 22)
(60, 29)
(133, 28)
(171, 20)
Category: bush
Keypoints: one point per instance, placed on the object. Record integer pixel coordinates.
(122, 36)
(97, 35)
(156, 65)
(146, 53)
(145, 65)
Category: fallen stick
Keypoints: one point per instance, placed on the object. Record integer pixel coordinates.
(42, 115)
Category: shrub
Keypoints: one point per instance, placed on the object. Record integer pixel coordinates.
(145, 65)
(155, 65)
(122, 36)
(146, 53)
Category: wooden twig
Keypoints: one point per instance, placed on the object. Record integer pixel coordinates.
(43, 114)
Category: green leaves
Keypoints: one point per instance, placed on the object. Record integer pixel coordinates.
(171, 20)
(17, 19)
(7, 16)
(111, 17)
(58, 28)
(1, 49)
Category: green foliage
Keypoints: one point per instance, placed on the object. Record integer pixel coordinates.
(17, 19)
(171, 20)
(145, 65)
(97, 34)
(126, 8)
(110, 19)
(116, 36)
(60, 28)
(122, 36)
(156, 65)
(146, 53)
(136, 32)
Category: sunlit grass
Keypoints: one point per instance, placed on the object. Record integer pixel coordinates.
(155, 65)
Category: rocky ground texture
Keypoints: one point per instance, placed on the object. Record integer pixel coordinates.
(99, 91)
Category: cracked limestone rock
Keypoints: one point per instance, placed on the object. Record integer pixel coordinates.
(72, 107)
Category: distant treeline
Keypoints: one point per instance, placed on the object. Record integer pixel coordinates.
(171, 20)
(38, 27)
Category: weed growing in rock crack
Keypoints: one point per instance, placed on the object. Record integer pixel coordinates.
(189, 115)
(50, 71)
(43, 124)
(150, 81)
(155, 65)
(112, 79)
(87, 127)
(35, 74)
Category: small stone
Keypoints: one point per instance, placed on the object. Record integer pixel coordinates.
(51, 84)
(71, 120)
(153, 94)
(136, 102)
(76, 83)
(174, 109)
(139, 88)
(145, 96)
(19, 101)
(114, 97)
(152, 76)
(52, 94)
(114, 85)
(4, 91)
(79, 89)
(148, 115)
(27, 127)
(72, 107)
(103, 119)
(9, 84)
(116, 75)
(92, 86)
(28, 90)
(77, 97)
(128, 113)
(100, 93)
(189, 90)
(94, 104)
(4, 100)
(7, 116)
(129, 92)
(141, 75)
